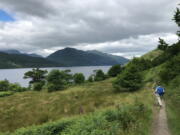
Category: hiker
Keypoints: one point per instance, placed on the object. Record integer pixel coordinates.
(159, 91)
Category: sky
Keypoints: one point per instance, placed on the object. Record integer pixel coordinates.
(127, 28)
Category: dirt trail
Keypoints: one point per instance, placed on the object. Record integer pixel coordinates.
(160, 125)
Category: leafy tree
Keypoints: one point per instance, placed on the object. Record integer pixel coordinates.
(177, 17)
(58, 80)
(36, 75)
(79, 78)
(140, 64)
(129, 80)
(4, 85)
(99, 75)
(91, 78)
(115, 70)
(171, 69)
(162, 44)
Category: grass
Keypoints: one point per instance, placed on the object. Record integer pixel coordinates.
(35, 108)
(153, 54)
(173, 105)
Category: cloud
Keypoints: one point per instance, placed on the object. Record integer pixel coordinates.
(118, 27)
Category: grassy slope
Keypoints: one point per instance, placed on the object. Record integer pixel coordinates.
(152, 54)
(173, 105)
(29, 108)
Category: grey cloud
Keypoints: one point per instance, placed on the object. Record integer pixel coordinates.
(61, 23)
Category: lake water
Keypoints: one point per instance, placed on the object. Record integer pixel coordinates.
(16, 75)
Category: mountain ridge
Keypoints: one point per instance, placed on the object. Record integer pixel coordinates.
(74, 57)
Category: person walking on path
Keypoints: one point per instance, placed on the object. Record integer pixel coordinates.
(159, 92)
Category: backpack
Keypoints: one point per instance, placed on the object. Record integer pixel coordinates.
(160, 90)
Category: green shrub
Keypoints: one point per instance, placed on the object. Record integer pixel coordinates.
(58, 80)
(115, 70)
(38, 85)
(129, 80)
(171, 69)
(78, 78)
(4, 85)
(99, 75)
(15, 87)
(91, 78)
(6, 93)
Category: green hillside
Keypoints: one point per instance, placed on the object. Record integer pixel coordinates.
(23, 61)
(34, 108)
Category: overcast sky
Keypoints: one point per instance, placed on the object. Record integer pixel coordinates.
(122, 27)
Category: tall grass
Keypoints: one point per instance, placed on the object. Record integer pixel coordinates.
(126, 120)
(35, 108)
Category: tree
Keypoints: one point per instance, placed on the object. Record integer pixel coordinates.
(99, 75)
(162, 45)
(129, 80)
(115, 70)
(91, 78)
(4, 85)
(177, 19)
(58, 80)
(36, 76)
(79, 78)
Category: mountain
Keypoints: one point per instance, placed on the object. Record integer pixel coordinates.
(23, 61)
(74, 57)
(13, 51)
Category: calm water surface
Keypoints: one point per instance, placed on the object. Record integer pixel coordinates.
(16, 75)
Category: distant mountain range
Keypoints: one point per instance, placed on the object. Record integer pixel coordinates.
(65, 57)
(74, 57)
(13, 51)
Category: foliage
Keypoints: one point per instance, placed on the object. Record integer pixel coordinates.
(78, 78)
(129, 80)
(15, 87)
(91, 78)
(36, 75)
(6, 93)
(37, 86)
(162, 44)
(4, 85)
(58, 80)
(140, 64)
(115, 70)
(99, 75)
(171, 69)
(124, 120)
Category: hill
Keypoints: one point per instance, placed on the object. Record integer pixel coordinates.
(35, 108)
(74, 57)
(13, 51)
(23, 61)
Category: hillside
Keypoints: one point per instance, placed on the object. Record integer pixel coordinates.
(34, 108)
(74, 57)
(23, 61)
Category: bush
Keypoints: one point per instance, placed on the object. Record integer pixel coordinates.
(129, 80)
(91, 78)
(171, 69)
(58, 80)
(4, 85)
(38, 85)
(99, 75)
(79, 78)
(115, 70)
(15, 87)
(6, 93)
